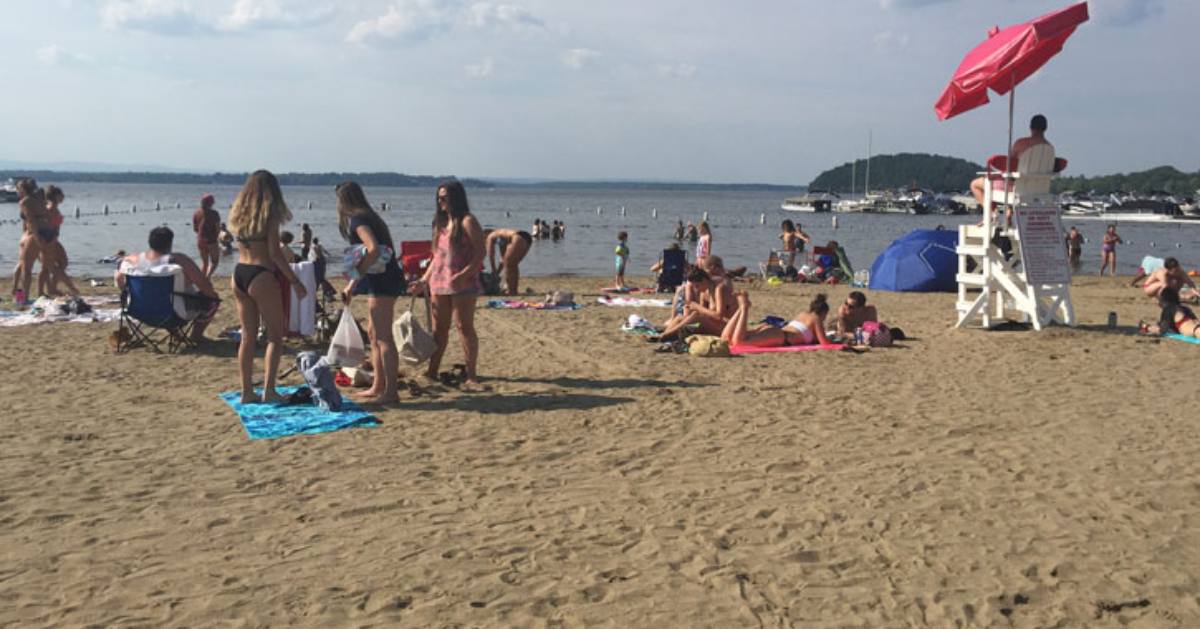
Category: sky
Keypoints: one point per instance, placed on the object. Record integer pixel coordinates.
(692, 90)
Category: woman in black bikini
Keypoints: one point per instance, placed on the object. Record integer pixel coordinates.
(255, 218)
(32, 202)
(513, 246)
(360, 225)
(1175, 317)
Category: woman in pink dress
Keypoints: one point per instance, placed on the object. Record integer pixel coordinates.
(453, 277)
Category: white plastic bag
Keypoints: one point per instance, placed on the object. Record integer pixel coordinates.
(415, 344)
(346, 348)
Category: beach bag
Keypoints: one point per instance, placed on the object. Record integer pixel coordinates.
(416, 345)
(876, 334)
(707, 346)
(490, 282)
(346, 347)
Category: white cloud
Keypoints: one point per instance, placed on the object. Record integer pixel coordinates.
(55, 55)
(481, 70)
(490, 15)
(578, 58)
(265, 14)
(407, 21)
(677, 70)
(164, 16)
(887, 41)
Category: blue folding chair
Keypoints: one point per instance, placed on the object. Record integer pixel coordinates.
(154, 313)
(674, 261)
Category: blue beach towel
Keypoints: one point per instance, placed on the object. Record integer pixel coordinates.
(269, 421)
(1186, 339)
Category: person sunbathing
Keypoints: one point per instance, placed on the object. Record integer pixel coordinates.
(696, 284)
(1175, 318)
(1169, 275)
(854, 313)
(806, 328)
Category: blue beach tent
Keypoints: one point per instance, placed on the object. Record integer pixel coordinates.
(922, 261)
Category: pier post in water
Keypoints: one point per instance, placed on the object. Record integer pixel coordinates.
(762, 218)
(835, 222)
(653, 212)
(706, 216)
(106, 209)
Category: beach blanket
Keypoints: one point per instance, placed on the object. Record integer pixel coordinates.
(14, 318)
(511, 304)
(269, 421)
(737, 350)
(1186, 339)
(634, 302)
(625, 290)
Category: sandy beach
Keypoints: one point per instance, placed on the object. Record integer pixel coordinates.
(966, 478)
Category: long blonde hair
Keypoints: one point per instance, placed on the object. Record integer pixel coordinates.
(259, 201)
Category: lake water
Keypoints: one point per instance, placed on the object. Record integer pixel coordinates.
(738, 235)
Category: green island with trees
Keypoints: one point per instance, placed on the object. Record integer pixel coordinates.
(941, 172)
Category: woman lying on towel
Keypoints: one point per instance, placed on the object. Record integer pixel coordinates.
(806, 328)
(1175, 318)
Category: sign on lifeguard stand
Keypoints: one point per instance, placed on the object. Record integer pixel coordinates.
(1031, 281)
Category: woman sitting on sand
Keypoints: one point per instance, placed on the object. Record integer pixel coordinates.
(1175, 317)
(255, 217)
(712, 308)
(806, 328)
(694, 286)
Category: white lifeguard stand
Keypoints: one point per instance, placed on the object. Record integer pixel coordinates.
(1032, 284)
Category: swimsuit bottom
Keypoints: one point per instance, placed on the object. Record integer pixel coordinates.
(244, 274)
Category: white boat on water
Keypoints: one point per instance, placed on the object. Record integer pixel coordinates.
(8, 192)
(813, 201)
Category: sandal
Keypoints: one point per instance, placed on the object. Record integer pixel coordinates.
(448, 379)
(415, 389)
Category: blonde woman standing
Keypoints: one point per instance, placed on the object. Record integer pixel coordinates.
(254, 219)
(453, 277)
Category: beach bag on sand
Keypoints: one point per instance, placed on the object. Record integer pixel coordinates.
(416, 345)
(707, 346)
(876, 334)
(490, 282)
(346, 347)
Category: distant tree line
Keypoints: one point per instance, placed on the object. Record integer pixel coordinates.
(1164, 178)
(902, 170)
(395, 180)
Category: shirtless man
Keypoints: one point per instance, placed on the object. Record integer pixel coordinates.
(1037, 135)
(854, 313)
(1170, 275)
(513, 246)
(160, 241)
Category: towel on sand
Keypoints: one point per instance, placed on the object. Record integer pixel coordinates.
(511, 304)
(1186, 339)
(268, 421)
(636, 302)
(749, 349)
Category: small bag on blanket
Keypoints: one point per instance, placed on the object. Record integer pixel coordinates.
(875, 334)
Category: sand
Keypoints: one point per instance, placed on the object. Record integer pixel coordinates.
(967, 478)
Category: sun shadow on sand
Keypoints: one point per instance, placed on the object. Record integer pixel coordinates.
(598, 383)
(498, 404)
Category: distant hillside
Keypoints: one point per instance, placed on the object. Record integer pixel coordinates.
(650, 185)
(902, 170)
(396, 180)
(1166, 178)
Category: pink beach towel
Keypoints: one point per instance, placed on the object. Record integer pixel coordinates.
(737, 350)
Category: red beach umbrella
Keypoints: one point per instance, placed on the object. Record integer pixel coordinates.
(1006, 58)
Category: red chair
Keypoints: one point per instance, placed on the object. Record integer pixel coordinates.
(415, 255)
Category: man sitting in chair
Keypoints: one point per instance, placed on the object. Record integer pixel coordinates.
(159, 253)
(1037, 135)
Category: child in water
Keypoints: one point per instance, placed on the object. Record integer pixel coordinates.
(622, 256)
